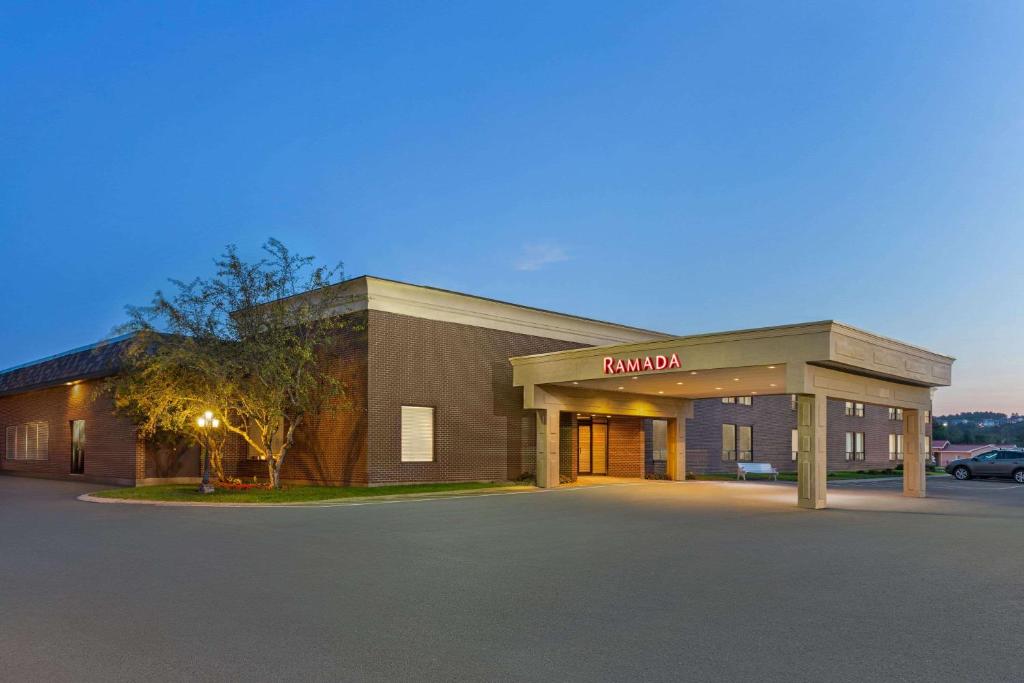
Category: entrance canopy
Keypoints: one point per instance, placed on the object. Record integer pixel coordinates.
(815, 361)
(791, 359)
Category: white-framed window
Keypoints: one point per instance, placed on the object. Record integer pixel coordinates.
(745, 400)
(852, 409)
(728, 442)
(659, 440)
(417, 434)
(854, 445)
(895, 413)
(895, 446)
(29, 441)
(745, 445)
(728, 399)
(794, 442)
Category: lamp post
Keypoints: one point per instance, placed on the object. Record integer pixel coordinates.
(207, 422)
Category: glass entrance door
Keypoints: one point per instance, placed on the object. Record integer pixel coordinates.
(592, 446)
(77, 446)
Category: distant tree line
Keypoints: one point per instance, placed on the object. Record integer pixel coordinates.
(977, 427)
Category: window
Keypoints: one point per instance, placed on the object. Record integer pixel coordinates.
(745, 452)
(659, 440)
(854, 409)
(728, 399)
(794, 442)
(895, 446)
(895, 413)
(29, 441)
(1010, 455)
(77, 446)
(792, 402)
(417, 434)
(728, 442)
(745, 400)
(854, 445)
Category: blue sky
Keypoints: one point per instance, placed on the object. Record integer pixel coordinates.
(687, 167)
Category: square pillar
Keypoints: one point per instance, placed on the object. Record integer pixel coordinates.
(547, 421)
(676, 456)
(812, 456)
(914, 453)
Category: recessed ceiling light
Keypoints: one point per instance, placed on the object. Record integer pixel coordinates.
(575, 382)
(735, 379)
(753, 392)
(771, 367)
(693, 372)
(608, 416)
(718, 388)
(771, 385)
(661, 392)
(621, 387)
(678, 382)
(632, 377)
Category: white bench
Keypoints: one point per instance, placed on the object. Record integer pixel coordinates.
(745, 468)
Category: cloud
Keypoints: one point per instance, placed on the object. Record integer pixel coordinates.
(536, 256)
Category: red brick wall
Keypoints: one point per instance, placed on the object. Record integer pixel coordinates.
(331, 448)
(463, 372)
(112, 452)
(625, 447)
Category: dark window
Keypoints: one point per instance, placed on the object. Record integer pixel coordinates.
(77, 446)
(1009, 455)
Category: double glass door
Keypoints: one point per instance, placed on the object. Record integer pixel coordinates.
(592, 443)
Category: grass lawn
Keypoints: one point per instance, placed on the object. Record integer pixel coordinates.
(791, 476)
(289, 494)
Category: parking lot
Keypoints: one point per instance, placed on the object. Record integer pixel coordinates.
(655, 581)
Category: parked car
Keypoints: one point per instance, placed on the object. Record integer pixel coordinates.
(999, 463)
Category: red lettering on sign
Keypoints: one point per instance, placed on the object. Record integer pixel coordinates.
(611, 366)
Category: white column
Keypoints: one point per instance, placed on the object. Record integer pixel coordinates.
(914, 453)
(547, 448)
(812, 456)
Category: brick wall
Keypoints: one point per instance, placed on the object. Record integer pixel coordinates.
(876, 426)
(773, 420)
(112, 452)
(625, 447)
(330, 449)
(463, 372)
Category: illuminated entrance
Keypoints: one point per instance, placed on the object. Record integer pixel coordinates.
(659, 380)
(592, 445)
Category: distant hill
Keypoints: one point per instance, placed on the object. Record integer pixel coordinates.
(979, 427)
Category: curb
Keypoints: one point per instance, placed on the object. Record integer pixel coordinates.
(327, 502)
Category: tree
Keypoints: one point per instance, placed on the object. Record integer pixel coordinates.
(246, 343)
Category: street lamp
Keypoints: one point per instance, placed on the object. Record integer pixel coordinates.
(207, 422)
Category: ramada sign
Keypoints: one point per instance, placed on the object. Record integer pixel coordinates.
(620, 366)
